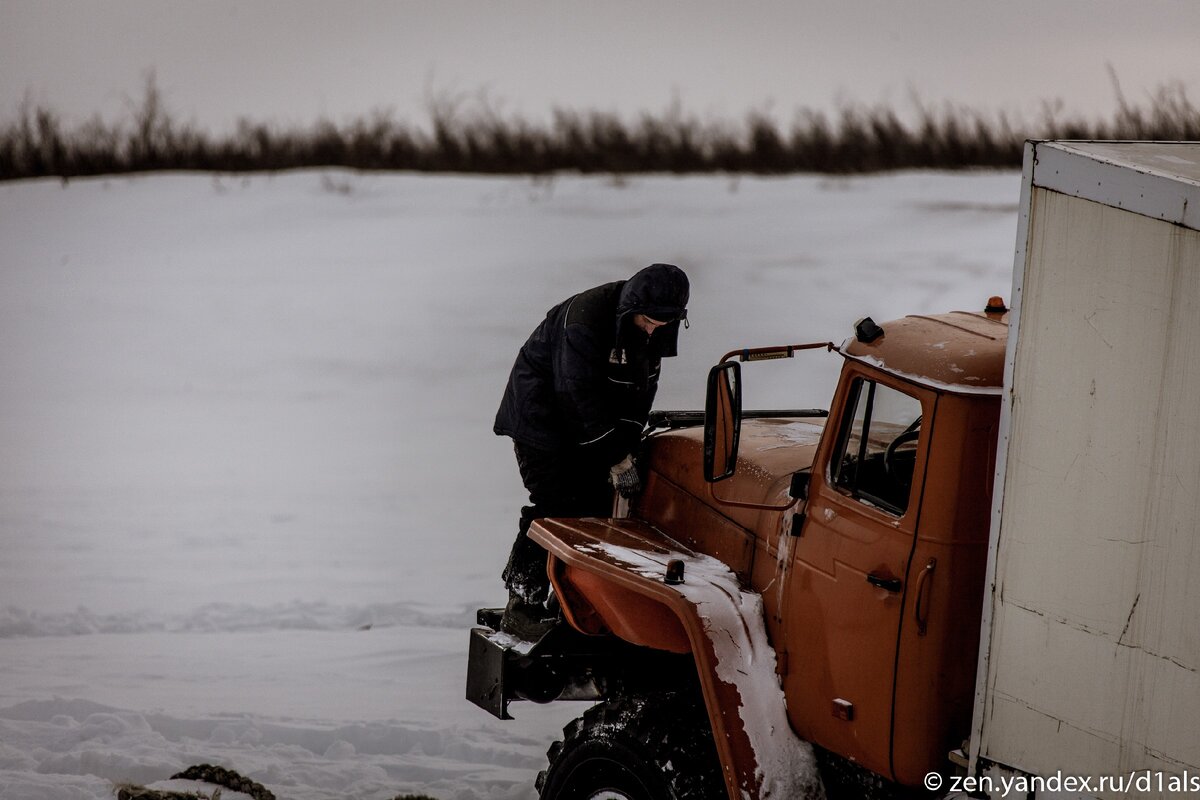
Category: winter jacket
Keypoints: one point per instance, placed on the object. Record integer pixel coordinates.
(587, 375)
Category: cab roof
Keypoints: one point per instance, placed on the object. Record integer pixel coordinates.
(961, 352)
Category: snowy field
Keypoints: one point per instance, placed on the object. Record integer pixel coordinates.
(249, 493)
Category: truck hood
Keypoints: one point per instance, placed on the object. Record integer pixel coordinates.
(770, 452)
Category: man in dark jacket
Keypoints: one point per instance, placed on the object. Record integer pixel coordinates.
(576, 402)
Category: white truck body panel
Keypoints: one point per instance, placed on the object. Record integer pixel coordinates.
(1090, 652)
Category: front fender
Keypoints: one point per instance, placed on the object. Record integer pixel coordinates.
(610, 578)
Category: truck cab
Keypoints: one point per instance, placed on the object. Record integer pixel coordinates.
(872, 580)
(863, 530)
(881, 604)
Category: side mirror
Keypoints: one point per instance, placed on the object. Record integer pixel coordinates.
(722, 420)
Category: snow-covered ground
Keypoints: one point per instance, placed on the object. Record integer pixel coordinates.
(249, 493)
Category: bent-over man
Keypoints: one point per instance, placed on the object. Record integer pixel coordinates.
(575, 406)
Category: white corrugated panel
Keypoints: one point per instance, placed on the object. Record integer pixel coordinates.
(1093, 662)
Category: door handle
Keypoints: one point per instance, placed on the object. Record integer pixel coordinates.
(887, 584)
(919, 610)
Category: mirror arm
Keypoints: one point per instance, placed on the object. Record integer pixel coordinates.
(709, 452)
(778, 351)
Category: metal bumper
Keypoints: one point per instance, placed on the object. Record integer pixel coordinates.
(562, 665)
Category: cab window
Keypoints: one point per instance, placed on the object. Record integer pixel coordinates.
(877, 446)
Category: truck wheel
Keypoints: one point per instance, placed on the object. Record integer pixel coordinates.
(648, 747)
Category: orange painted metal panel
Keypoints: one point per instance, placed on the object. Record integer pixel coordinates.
(939, 634)
(841, 631)
(584, 545)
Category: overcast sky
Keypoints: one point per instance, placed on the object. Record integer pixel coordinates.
(292, 61)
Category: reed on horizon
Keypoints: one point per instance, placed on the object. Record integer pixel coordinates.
(463, 138)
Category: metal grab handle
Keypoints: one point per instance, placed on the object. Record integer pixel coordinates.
(887, 584)
(919, 606)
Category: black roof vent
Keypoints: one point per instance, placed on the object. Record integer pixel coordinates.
(866, 331)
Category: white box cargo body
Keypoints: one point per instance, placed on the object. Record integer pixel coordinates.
(1090, 653)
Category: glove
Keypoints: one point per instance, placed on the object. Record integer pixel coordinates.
(624, 477)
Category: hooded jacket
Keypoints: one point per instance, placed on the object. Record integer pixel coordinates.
(587, 375)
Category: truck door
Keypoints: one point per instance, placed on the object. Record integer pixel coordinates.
(845, 591)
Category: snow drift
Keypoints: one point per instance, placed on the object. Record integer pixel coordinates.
(249, 494)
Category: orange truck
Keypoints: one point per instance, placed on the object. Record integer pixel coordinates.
(972, 574)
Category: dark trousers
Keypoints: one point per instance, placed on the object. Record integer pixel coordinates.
(567, 483)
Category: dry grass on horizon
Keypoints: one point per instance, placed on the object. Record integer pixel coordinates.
(466, 138)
